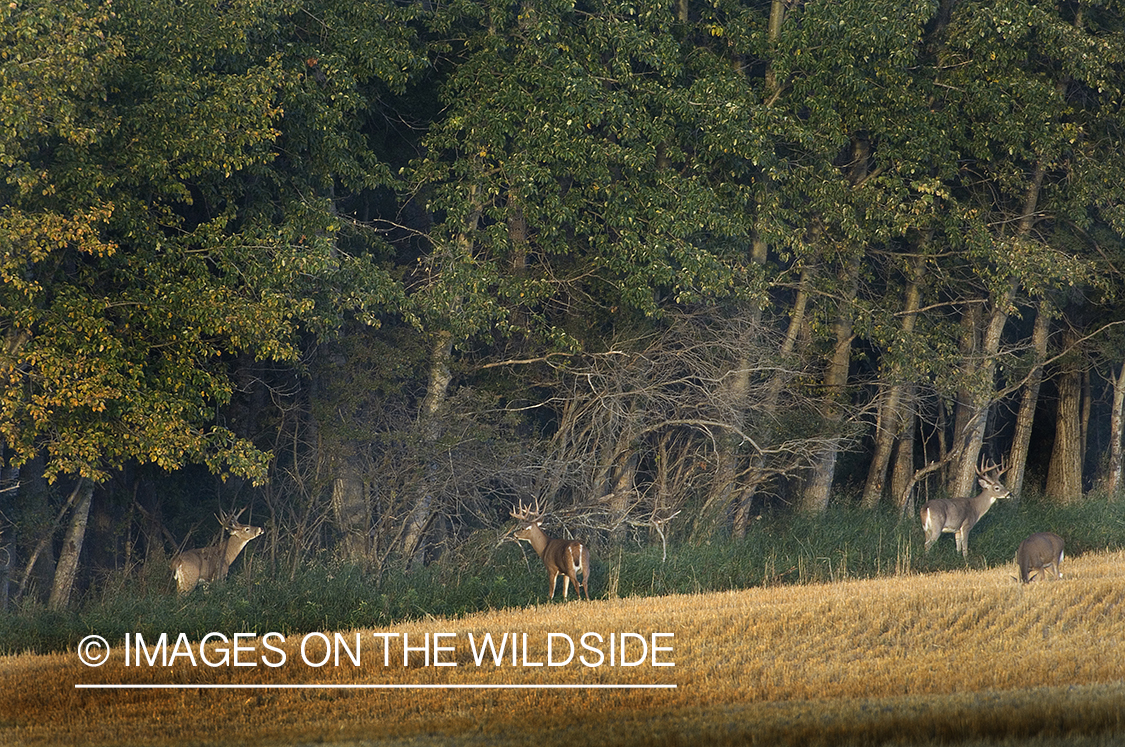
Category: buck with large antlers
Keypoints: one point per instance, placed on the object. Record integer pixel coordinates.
(1039, 553)
(959, 515)
(565, 557)
(210, 563)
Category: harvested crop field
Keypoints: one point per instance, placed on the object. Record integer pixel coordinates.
(967, 657)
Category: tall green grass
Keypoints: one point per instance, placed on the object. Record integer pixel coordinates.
(782, 548)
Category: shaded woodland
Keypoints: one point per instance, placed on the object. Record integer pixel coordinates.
(378, 270)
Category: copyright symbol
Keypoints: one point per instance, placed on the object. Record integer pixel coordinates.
(93, 651)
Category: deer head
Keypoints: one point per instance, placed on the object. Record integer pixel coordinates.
(989, 479)
(530, 518)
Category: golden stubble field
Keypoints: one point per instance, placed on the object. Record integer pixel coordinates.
(953, 658)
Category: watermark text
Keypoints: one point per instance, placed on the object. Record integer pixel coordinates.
(501, 649)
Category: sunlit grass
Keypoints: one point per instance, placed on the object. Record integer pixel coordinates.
(954, 657)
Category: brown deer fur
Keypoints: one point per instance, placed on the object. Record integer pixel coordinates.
(568, 558)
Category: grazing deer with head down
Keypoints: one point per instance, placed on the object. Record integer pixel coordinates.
(565, 557)
(959, 515)
(1039, 553)
(210, 563)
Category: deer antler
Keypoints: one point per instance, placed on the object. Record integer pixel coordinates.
(984, 471)
(527, 513)
(229, 521)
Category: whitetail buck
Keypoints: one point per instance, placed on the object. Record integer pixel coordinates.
(1039, 553)
(959, 515)
(566, 557)
(210, 563)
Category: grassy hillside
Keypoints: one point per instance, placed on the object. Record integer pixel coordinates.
(966, 657)
(781, 549)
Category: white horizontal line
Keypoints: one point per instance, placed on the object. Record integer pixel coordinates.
(390, 686)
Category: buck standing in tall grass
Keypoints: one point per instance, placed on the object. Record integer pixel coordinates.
(958, 516)
(565, 557)
(207, 564)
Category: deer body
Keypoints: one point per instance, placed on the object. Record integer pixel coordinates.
(1039, 553)
(959, 515)
(561, 557)
(212, 563)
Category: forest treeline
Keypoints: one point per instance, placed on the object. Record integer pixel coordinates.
(378, 269)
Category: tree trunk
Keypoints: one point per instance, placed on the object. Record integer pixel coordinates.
(664, 498)
(43, 548)
(969, 347)
(67, 567)
(730, 456)
(6, 555)
(759, 250)
(1084, 427)
(422, 514)
(1064, 473)
(892, 417)
(1116, 436)
(818, 487)
(518, 236)
(622, 479)
(902, 472)
(972, 405)
(441, 356)
(814, 499)
(1021, 440)
(351, 508)
(886, 430)
(973, 439)
(728, 445)
(742, 514)
(777, 18)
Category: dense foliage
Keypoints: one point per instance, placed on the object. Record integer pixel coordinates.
(380, 269)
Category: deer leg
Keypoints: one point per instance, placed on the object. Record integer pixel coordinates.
(585, 568)
(571, 573)
(554, 582)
